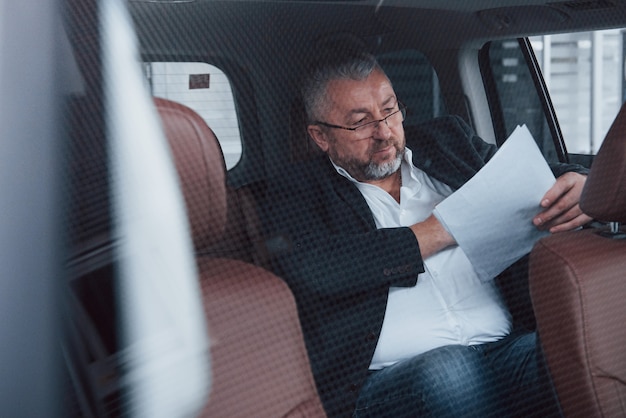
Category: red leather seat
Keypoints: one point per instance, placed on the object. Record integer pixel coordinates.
(260, 366)
(578, 289)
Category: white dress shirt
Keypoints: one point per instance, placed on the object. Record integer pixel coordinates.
(449, 304)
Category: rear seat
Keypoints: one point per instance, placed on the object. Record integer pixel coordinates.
(259, 362)
(242, 239)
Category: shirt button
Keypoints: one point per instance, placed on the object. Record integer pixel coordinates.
(371, 337)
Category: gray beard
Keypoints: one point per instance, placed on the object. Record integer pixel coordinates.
(370, 171)
(379, 172)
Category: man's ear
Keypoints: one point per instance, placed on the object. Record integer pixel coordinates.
(318, 136)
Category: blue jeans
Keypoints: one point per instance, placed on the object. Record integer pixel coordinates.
(506, 378)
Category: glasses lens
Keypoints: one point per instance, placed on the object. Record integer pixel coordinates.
(366, 130)
(396, 117)
(393, 120)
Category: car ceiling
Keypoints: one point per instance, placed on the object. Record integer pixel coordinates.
(190, 27)
(450, 5)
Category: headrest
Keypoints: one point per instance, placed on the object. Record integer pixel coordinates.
(604, 194)
(200, 163)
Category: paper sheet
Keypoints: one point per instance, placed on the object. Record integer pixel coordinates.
(491, 215)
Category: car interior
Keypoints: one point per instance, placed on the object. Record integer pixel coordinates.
(166, 304)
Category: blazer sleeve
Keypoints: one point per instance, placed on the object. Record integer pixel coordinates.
(320, 244)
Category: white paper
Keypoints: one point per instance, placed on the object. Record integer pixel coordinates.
(490, 217)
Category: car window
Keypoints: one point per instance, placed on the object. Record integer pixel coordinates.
(583, 80)
(205, 89)
(513, 97)
(584, 75)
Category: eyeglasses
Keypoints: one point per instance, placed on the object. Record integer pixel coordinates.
(367, 129)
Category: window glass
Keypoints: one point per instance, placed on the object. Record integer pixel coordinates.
(205, 89)
(517, 96)
(584, 73)
(584, 76)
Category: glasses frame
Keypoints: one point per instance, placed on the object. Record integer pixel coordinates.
(375, 123)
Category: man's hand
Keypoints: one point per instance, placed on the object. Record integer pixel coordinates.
(431, 236)
(562, 211)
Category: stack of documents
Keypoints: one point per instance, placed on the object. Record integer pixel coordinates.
(491, 215)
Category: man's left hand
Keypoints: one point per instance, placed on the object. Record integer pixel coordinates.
(562, 211)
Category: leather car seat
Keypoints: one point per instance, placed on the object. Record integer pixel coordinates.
(260, 366)
(578, 289)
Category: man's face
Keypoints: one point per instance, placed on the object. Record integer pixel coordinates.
(353, 103)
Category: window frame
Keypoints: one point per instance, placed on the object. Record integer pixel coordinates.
(495, 106)
(248, 169)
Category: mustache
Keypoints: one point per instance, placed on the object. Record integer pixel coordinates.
(379, 145)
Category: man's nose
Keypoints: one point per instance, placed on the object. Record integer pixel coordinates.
(383, 130)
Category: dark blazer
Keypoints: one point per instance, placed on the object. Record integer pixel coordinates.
(326, 246)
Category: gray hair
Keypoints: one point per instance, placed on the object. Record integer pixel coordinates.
(334, 65)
